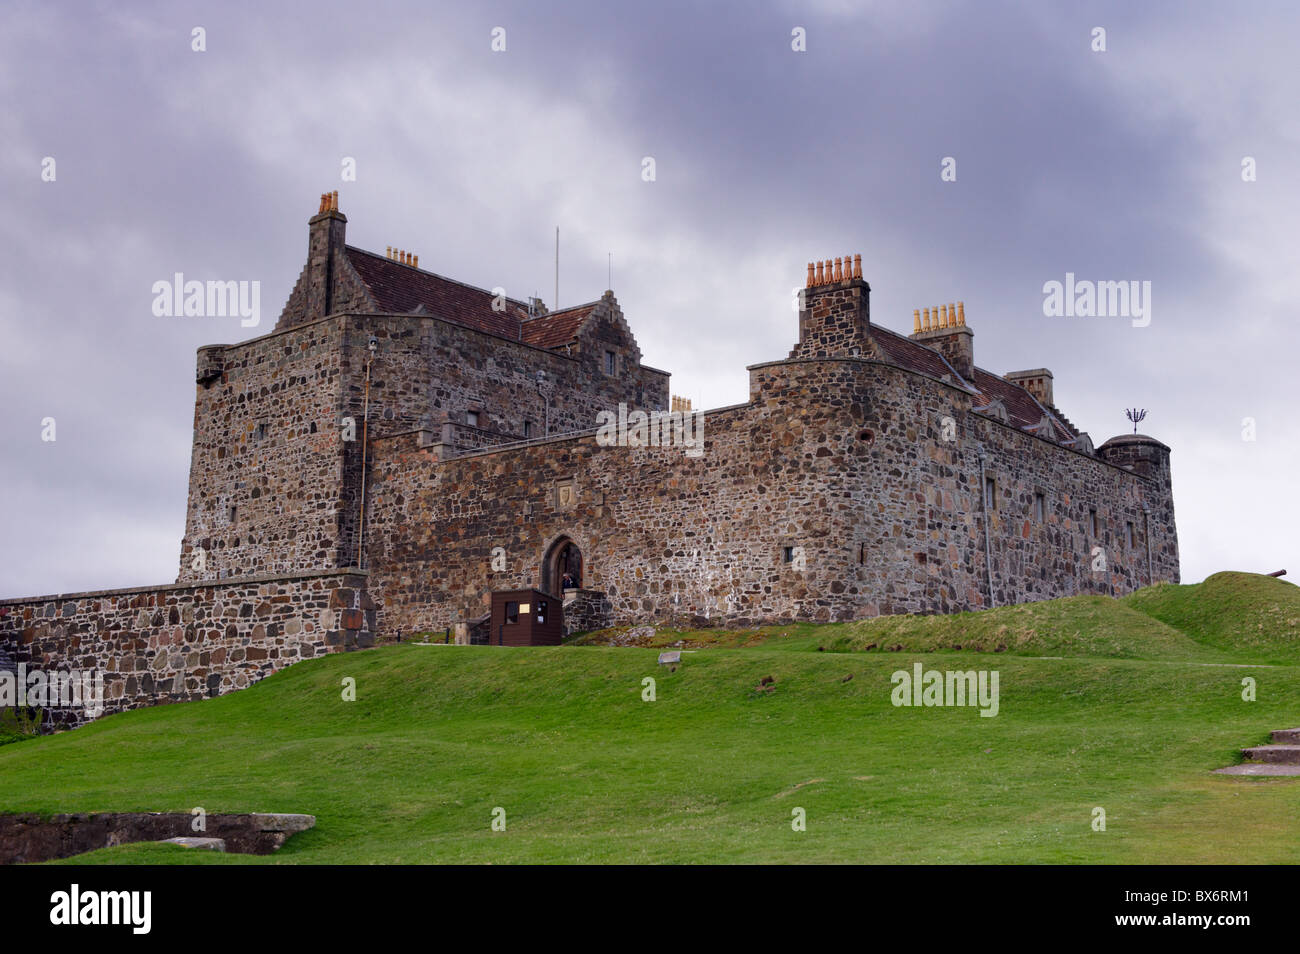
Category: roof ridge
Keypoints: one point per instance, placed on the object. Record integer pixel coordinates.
(559, 311)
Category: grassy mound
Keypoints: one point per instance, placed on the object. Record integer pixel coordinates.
(1238, 615)
(585, 770)
(1230, 611)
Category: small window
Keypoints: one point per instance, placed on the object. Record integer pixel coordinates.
(1128, 533)
(787, 554)
(471, 418)
(233, 514)
(610, 362)
(528, 428)
(512, 612)
(1094, 522)
(259, 432)
(990, 494)
(1040, 507)
(862, 553)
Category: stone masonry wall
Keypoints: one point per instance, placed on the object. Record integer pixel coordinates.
(267, 459)
(274, 485)
(840, 460)
(180, 643)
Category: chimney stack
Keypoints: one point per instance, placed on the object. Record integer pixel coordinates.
(1037, 382)
(834, 310)
(326, 236)
(943, 328)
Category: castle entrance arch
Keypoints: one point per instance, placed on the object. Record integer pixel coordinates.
(562, 567)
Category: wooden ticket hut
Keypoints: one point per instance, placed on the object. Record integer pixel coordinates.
(526, 618)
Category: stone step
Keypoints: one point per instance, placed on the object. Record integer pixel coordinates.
(207, 844)
(1286, 736)
(1273, 754)
(1259, 768)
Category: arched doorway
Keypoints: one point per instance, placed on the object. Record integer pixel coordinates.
(563, 559)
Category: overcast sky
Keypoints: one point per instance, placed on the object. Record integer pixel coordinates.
(1125, 164)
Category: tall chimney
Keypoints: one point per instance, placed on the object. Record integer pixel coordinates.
(326, 236)
(947, 333)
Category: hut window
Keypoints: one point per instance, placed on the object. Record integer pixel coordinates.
(512, 612)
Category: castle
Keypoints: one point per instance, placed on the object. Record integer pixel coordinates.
(403, 445)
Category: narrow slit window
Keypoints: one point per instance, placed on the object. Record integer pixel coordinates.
(1094, 522)
(990, 493)
(1040, 507)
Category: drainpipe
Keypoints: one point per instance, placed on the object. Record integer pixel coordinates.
(1146, 532)
(371, 347)
(988, 550)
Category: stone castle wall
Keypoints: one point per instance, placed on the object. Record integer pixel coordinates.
(181, 643)
(841, 458)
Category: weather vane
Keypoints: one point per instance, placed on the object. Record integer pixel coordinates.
(1136, 415)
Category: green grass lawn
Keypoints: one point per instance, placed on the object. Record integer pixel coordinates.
(1144, 703)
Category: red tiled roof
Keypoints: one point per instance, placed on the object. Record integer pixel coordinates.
(1022, 409)
(402, 289)
(558, 328)
(913, 356)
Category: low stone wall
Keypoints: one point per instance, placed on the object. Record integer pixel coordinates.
(185, 642)
(28, 838)
(586, 610)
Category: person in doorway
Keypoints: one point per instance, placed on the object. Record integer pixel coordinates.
(568, 583)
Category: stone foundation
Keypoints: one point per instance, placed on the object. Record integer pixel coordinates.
(29, 838)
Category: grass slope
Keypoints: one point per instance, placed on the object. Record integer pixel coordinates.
(1238, 613)
(588, 772)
